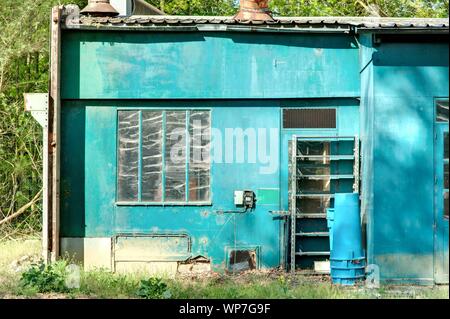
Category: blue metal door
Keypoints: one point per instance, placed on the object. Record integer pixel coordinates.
(441, 147)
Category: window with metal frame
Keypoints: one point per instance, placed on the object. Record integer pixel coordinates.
(163, 156)
(442, 117)
(446, 175)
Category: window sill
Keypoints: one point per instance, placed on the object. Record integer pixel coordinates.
(163, 204)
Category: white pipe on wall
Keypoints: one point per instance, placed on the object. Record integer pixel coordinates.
(124, 7)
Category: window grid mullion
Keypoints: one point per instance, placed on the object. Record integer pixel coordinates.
(163, 183)
(188, 155)
(140, 159)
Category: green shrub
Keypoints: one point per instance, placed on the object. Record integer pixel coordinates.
(45, 278)
(153, 288)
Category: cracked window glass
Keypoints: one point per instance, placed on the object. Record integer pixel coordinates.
(199, 163)
(128, 169)
(152, 134)
(175, 156)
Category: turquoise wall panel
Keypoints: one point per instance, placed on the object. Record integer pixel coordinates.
(399, 98)
(397, 84)
(100, 167)
(140, 65)
(94, 212)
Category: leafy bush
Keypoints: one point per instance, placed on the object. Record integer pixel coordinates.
(153, 288)
(45, 278)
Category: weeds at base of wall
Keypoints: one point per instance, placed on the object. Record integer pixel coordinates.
(45, 278)
(153, 288)
(54, 278)
(101, 283)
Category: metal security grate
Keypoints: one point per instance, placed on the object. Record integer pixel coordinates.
(319, 167)
(309, 118)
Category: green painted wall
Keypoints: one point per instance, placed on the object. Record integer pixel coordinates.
(151, 65)
(246, 79)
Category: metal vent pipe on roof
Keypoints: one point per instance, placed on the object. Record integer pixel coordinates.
(254, 10)
(99, 8)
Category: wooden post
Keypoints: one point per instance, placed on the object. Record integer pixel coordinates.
(53, 134)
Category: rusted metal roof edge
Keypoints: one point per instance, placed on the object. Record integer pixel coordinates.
(414, 30)
(240, 28)
(280, 24)
(210, 28)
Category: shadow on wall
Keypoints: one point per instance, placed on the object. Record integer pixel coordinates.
(73, 171)
(411, 54)
(407, 79)
(315, 41)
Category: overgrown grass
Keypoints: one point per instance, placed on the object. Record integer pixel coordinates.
(46, 283)
(104, 284)
(11, 251)
(255, 286)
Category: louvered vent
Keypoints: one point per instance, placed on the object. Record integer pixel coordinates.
(309, 118)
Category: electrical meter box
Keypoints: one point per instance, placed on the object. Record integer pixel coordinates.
(244, 198)
(239, 198)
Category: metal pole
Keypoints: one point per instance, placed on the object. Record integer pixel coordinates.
(293, 198)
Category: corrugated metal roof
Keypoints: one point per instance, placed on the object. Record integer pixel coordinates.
(279, 22)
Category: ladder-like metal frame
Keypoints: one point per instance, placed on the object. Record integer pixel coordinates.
(293, 199)
(356, 165)
(293, 189)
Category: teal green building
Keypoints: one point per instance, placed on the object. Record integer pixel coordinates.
(271, 119)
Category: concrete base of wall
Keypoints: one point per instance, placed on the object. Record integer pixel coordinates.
(160, 268)
(405, 268)
(95, 253)
(91, 252)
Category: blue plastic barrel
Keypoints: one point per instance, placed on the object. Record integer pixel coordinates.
(347, 260)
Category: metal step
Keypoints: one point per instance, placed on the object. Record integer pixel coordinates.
(325, 177)
(314, 195)
(302, 215)
(328, 157)
(313, 253)
(325, 138)
(314, 234)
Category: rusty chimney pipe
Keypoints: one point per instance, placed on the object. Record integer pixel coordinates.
(99, 8)
(254, 10)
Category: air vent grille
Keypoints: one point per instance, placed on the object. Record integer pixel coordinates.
(309, 118)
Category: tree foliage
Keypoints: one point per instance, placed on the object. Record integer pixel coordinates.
(382, 8)
(196, 7)
(24, 61)
(24, 46)
(393, 8)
